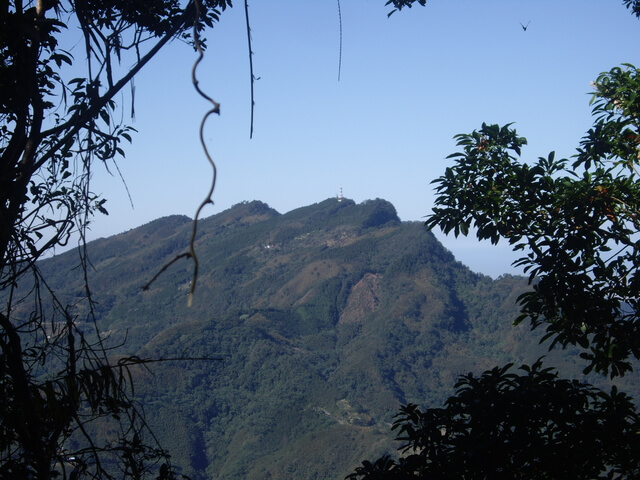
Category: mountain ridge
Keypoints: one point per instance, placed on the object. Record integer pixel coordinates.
(328, 317)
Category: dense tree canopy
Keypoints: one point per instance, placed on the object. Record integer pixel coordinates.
(503, 425)
(577, 224)
(58, 121)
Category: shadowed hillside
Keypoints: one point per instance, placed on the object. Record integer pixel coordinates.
(328, 318)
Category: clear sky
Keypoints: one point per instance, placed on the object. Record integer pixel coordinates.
(408, 84)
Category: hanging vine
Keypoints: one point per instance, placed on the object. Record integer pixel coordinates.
(215, 109)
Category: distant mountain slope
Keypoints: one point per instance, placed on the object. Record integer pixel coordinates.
(328, 318)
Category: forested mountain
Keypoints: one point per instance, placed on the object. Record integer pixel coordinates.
(326, 318)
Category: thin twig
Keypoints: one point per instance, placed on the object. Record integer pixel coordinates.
(340, 54)
(164, 268)
(253, 78)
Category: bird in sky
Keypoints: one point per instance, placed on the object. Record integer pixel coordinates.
(524, 27)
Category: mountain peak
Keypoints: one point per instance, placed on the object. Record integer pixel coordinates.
(333, 211)
(379, 212)
(244, 213)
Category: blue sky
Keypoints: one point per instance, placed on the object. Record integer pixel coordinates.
(408, 84)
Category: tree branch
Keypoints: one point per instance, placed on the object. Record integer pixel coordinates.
(79, 119)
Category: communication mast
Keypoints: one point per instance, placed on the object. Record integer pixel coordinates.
(340, 194)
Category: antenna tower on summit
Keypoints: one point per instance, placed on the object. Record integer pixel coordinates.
(340, 194)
